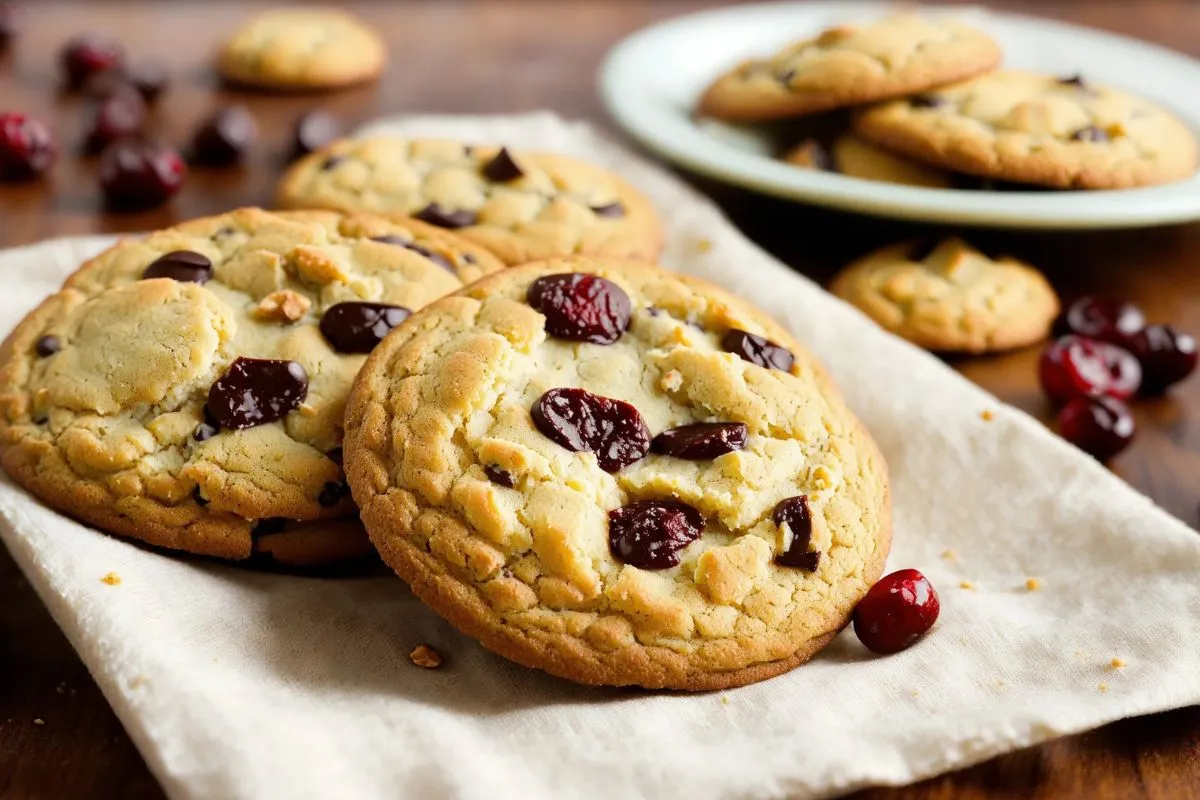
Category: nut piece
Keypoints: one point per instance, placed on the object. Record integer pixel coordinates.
(425, 656)
(283, 305)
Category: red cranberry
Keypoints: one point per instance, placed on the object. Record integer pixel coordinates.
(897, 612)
(651, 534)
(88, 54)
(137, 174)
(27, 147)
(1076, 366)
(225, 137)
(1100, 426)
(581, 307)
(584, 422)
(1103, 318)
(1167, 357)
(122, 114)
(701, 440)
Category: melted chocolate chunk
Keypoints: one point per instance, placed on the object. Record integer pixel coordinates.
(581, 307)
(500, 476)
(47, 345)
(435, 214)
(436, 258)
(613, 210)
(502, 168)
(256, 391)
(584, 422)
(702, 440)
(651, 534)
(332, 493)
(184, 266)
(757, 350)
(794, 512)
(355, 327)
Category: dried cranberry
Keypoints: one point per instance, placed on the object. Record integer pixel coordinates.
(1075, 366)
(1100, 426)
(584, 422)
(355, 327)
(497, 475)
(184, 266)
(1166, 355)
(136, 174)
(122, 114)
(502, 168)
(794, 512)
(314, 130)
(1104, 318)
(88, 54)
(27, 147)
(436, 214)
(896, 612)
(580, 307)
(256, 391)
(701, 440)
(651, 534)
(225, 137)
(47, 345)
(757, 350)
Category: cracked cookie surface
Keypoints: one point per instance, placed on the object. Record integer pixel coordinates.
(950, 297)
(521, 206)
(104, 387)
(851, 65)
(302, 48)
(1061, 132)
(597, 553)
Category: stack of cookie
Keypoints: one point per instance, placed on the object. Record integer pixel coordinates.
(595, 467)
(927, 109)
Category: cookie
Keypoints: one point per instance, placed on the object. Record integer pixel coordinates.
(521, 206)
(187, 389)
(950, 298)
(851, 156)
(298, 49)
(851, 65)
(617, 475)
(1065, 133)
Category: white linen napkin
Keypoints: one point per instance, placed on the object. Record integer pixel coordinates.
(236, 684)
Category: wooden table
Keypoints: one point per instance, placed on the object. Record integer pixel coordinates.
(58, 738)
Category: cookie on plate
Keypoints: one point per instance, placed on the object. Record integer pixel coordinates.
(187, 389)
(851, 156)
(299, 49)
(521, 206)
(851, 65)
(950, 297)
(1065, 133)
(618, 475)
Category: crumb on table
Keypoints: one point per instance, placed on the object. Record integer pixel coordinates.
(966, 585)
(1033, 584)
(1103, 687)
(986, 415)
(725, 700)
(425, 656)
(949, 555)
(703, 245)
(1116, 663)
(112, 579)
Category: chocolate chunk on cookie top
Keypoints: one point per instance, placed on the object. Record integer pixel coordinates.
(187, 389)
(851, 65)
(581, 462)
(521, 206)
(1064, 133)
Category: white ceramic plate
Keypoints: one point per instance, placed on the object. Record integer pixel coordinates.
(650, 82)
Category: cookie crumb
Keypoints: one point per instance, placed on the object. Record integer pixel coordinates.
(966, 585)
(949, 555)
(725, 700)
(425, 656)
(39, 721)
(1033, 584)
(1116, 663)
(703, 245)
(1103, 687)
(916, 693)
(986, 415)
(112, 579)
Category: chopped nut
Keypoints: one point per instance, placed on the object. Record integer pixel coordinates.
(112, 579)
(1033, 584)
(283, 305)
(672, 381)
(1116, 663)
(966, 585)
(425, 656)
(986, 415)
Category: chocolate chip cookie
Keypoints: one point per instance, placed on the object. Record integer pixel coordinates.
(851, 156)
(187, 389)
(950, 297)
(851, 65)
(617, 475)
(297, 49)
(1061, 132)
(521, 206)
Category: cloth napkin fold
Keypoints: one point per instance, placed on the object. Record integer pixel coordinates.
(237, 684)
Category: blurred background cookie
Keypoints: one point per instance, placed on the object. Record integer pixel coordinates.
(850, 155)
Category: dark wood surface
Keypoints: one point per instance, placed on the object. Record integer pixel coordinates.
(58, 738)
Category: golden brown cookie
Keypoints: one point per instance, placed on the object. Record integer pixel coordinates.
(950, 297)
(618, 475)
(187, 389)
(521, 206)
(851, 65)
(851, 156)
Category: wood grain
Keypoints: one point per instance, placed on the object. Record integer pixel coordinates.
(462, 56)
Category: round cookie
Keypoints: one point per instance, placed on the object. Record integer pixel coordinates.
(851, 65)
(137, 398)
(852, 156)
(1064, 133)
(950, 298)
(532, 475)
(521, 206)
(298, 49)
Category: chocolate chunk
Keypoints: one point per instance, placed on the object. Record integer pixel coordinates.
(497, 475)
(794, 512)
(332, 493)
(331, 162)
(435, 214)
(256, 391)
(47, 345)
(613, 210)
(701, 440)
(1090, 134)
(355, 327)
(313, 131)
(581, 307)
(184, 266)
(652, 534)
(436, 258)
(584, 422)
(225, 137)
(1075, 80)
(502, 168)
(928, 101)
(757, 350)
